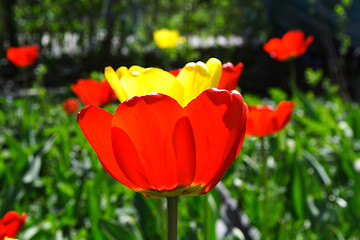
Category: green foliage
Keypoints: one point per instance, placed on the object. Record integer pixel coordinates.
(49, 171)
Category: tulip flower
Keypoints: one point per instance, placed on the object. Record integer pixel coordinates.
(23, 56)
(264, 120)
(165, 38)
(229, 75)
(10, 224)
(292, 45)
(193, 79)
(71, 105)
(93, 92)
(156, 147)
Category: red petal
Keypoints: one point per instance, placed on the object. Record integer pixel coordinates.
(93, 92)
(293, 40)
(306, 44)
(291, 45)
(23, 56)
(283, 114)
(11, 223)
(230, 75)
(276, 50)
(261, 121)
(218, 118)
(95, 123)
(153, 142)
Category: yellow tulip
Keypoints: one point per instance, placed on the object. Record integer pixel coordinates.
(165, 38)
(193, 79)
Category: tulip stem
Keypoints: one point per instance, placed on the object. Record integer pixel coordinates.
(293, 78)
(265, 188)
(172, 203)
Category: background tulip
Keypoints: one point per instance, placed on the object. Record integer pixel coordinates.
(23, 56)
(165, 38)
(264, 120)
(93, 92)
(156, 147)
(11, 223)
(71, 105)
(293, 44)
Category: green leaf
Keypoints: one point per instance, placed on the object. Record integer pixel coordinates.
(114, 230)
(34, 169)
(298, 192)
(318, 167)
(148, 210)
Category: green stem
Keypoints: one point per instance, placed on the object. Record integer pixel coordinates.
(293, 78)
(172, 203)
(265, 188)
(206, 216)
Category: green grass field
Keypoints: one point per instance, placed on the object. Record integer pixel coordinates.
(49, 171)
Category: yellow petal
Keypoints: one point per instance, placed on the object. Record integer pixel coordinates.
(215, 68)
(196, 78)
(121, 71)
(158, 80)
(115, 83)
(136, 69)
(131, 82)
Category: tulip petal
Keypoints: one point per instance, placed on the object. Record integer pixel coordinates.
(165, 38)
(293, 40)
(93, 92)
(160, 81)
(275, 49)
(264, 120)
(136, 70)
(229, 76)
(218, 118)
(95, 123)
(23, 56)
(306, 44)
(196, 77)
(156, 127)
(283, 114)
(11, 223)
(115, 83)
(291, 45)
(120, 72)
(215, 68)
(261, 120)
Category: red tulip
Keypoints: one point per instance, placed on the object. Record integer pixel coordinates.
(11, 223)
(71, 105)
(293, 44)
(93, 92)
(23, 56)
(229, 75)
(264, 120)
(156, 147)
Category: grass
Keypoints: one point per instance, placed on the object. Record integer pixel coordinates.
(49, 171)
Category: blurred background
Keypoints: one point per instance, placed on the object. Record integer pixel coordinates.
(83, 36)
(49, 171)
